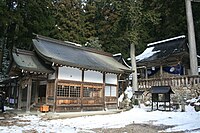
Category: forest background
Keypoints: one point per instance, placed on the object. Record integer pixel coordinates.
(109, 25)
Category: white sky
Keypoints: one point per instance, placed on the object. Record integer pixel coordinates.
(188, 120)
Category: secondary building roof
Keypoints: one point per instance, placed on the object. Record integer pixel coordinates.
(69, 54)
(168, 52)
(28, 61)
(161, 89)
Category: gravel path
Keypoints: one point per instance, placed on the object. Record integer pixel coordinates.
(135, 128)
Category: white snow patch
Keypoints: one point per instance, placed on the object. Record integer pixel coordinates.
(146, 54)
(166, 40)
(182, 121)
(7, 108)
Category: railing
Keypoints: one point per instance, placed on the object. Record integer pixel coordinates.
(179, 81)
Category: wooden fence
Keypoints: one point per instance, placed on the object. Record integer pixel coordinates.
(179, 81)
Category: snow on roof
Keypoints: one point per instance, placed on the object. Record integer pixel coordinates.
(122, 59)
(146, 54)
(118, 54)
(166, 40)
(155, 51)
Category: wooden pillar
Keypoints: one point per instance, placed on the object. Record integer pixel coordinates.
(146, 73)
(161, 75)
(28, 103)
(15, 93)
(134, 69)
(104, 86)
(117, 89)
(191, 38)
(55, 95)
(81, 93)
(19, 105)
(55, 90)
(36, 91)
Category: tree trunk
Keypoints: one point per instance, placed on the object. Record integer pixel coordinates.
(191, 39)
(134, 69)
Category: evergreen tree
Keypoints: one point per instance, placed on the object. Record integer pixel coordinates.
(19, 20)
(172, 19)
(107, 18)
(89, 13)
(120, 23)
(36, 17)
(111, 25)
(69, 21)
(23, 18)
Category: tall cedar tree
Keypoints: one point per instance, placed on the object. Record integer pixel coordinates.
(107, 25)
(37, 17)
(119, 24)
(69, 21)
(25, 18)
(107, 20)
(89, 14)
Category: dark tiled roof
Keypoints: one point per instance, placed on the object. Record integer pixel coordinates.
(165, 51)
(27, 61)
(66, 53)
(121, 60)
(161, 89)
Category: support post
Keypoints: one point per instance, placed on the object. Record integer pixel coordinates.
(36, 91)
(191, 39)
(161, 75)
(104, 87)
(28, 104)
(81, 93)
(55, 90)
(134, 69)
(19, 97)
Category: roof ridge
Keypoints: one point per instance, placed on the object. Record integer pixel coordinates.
(165, 40)
(22, 51)
(71, 44)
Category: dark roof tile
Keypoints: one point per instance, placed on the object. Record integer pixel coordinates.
(65, 53)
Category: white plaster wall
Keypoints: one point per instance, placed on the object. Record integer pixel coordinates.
(68, 73)
(52, 76)
(93, 76)
(111, 78)
(42, 82)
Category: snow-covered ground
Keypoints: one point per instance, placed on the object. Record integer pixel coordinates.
(183, 121)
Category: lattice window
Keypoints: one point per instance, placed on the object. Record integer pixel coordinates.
(111, 91)
(75, 91)
(68, 91)
(92, 92)
(60, 91)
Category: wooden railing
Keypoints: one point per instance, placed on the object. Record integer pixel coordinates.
(179, 81)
